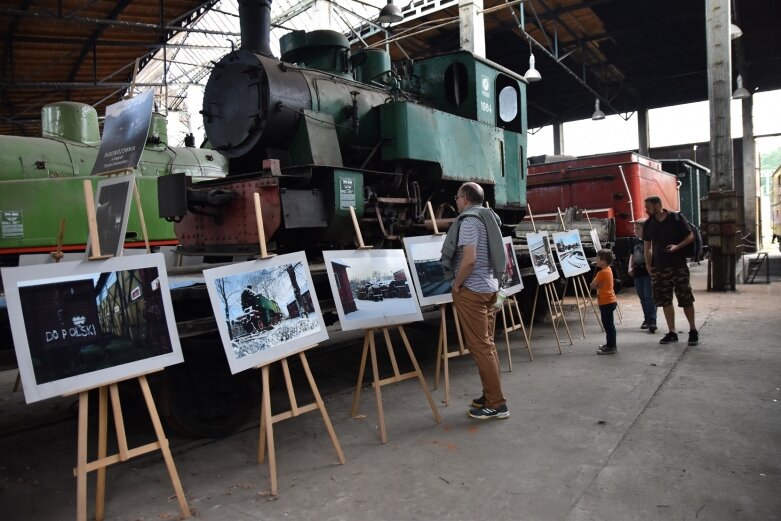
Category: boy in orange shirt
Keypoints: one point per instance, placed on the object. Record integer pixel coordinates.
(606, 298)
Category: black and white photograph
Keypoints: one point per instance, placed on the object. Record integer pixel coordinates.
(124, 134)
(542, 257)
(112, 207)
(569, 249)
(80, 325)
(266, 310)
(428, 274)
(513, 283)
(371, 288)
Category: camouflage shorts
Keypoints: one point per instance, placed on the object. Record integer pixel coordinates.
(665, 280)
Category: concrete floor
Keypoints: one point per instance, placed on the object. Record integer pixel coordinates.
(656, 432)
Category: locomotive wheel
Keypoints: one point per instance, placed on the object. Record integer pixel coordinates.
(201, 398)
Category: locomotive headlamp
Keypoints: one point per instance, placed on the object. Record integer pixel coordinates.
(390, 14)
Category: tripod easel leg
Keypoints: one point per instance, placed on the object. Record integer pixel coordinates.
(100, 490)
(557, 302)
(551, 307)
(364, 354)
(579, 305)
(507, 337)
(377, 387)
(422, 380)
(534, 310)
(320, 405)
(81, 459)
(443, 353)
(184, 510)
(441, 349)
(587, 293)
(267, 428)
(514, 302)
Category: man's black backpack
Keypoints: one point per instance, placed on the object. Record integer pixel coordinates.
(694, 249)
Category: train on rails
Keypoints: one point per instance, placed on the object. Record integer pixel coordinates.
(319, 131)
(323, 129)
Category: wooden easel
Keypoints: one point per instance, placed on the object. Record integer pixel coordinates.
(83, 466)
(443, 353)
(552, 297)
(618, 305)
(581, 289)
(516, 323)
(92, 222)
(370, 347)
(267, 420)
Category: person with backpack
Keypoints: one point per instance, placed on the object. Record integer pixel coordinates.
(474, 253)
(666, 236)
(642, 278)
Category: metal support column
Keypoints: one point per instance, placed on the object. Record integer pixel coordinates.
(750, 176)
(643, 132)
(558, 137)
(471, 26)
(721, 269)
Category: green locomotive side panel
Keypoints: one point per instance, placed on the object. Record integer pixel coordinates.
(41, 182)
(514, 181)
(465, 150)
(32, 211)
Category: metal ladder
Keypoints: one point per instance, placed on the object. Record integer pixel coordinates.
(754, 265)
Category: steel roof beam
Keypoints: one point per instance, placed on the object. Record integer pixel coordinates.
(119, 23)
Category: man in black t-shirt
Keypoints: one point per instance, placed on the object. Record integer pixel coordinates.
(665, 237)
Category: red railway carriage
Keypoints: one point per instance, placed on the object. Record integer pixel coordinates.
(607, 185)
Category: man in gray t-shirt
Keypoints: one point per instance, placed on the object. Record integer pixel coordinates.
(474, 295)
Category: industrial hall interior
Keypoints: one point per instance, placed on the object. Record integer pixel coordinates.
(390, 260)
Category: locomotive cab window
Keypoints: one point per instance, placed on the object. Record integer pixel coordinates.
(509, 102)
(456, 84)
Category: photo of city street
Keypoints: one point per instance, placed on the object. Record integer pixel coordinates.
(428, 274)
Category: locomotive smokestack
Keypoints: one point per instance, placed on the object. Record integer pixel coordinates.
(255, 21)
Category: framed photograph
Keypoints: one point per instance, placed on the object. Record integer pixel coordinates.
(542, 257)
(371, 288)
(595, 239)
(569, 249)
(80, 325)
(513, 282)
(266, 310)
(124, 134)
(112, 206)
(427, 273)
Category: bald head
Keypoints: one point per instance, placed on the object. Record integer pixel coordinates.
(472, 192)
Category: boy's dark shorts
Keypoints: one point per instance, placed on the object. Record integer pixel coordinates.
(666, 280)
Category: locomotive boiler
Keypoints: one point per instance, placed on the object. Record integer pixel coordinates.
(324, 129)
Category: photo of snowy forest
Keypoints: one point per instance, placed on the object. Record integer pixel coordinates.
(266, 310)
